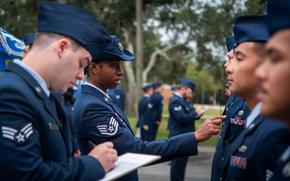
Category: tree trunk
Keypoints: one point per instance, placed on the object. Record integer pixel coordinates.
(139, 54)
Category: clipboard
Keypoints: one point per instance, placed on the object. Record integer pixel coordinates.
(127, 163)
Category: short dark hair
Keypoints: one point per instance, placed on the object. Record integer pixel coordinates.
(259, 48)
(42, 40)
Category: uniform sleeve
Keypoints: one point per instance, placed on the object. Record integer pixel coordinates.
(178, 113)
(174, 147)
(269, 152)
(20, 147)
(99, 126)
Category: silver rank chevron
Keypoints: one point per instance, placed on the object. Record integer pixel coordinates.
(110, 129)
(19, 136)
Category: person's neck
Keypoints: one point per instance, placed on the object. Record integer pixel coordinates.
(39, 65)
(181, 93)
(147, 94)
(251, 101)
(97, 84)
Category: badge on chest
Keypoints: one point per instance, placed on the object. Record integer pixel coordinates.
(238, 162)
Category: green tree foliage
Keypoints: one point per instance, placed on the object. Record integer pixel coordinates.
(205, 24)
(206, 84)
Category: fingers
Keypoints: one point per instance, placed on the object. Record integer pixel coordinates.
(108, 144)
(218, 117)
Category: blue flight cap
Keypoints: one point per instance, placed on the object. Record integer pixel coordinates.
(230, 41)
(278, 15)
(250, 29)
(115, 51)
(174, 87)
(29, 38)
(147, 87)
(188, 83)
(156, 85)
(75, 23)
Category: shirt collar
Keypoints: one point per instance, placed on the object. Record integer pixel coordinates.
(35, 75)
(254, 113)
(89, 84)
(179, 95)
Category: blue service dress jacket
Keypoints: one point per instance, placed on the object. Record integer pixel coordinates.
(118, 96)
(99, 119)
(282, 173)
(157, 101)
(181, 118)
(236, 111)
(35, 140)
(146, 117)
(254, 153)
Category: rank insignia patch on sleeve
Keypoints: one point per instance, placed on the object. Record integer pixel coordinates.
(177, 108)
(110, 129)
(19, 136)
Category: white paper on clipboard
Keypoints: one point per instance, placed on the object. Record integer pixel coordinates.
(127, 163)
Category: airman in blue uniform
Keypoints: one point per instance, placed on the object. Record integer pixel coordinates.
(157, 100)
(273, 75)
(181, 120)
(145, 114)
(10, 48)
(118, 96)
(35, 140)
(28, 41)
(253, 153)
(236, 112)
(99, 119)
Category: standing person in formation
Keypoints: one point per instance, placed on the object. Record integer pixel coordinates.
(252, 155)
(274, 76)
(236, 112)
(181, 120)
(146, 114)
(99, 119)
(10, 48)
(35, 141)
(157, 101)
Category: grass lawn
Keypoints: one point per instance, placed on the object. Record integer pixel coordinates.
(163, 132)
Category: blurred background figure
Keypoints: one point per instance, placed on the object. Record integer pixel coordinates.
(181, 120)
(157, 101)
(10, 48)
(28, 41)
(145, 114)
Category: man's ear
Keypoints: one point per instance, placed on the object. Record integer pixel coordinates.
(94, 68)
(61, 46)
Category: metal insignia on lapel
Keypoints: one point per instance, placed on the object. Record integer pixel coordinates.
(286, 170)
(106, 99)
(38, 89)
(243, 148)
(241, 112)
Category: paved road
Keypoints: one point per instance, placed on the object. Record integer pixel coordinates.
(198, 168)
